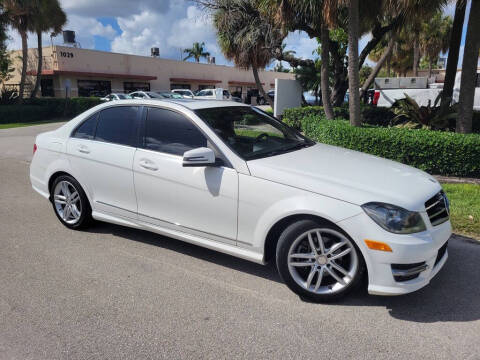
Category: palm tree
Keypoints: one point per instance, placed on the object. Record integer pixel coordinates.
(245, 37)
(21, 15)
(454, 47)
(434, 38)
(197, 51)
(309, 78)
(353, 71)
(325, 78)
(469, 70)
(50, 17)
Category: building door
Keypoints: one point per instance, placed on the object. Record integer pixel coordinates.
(47, 87)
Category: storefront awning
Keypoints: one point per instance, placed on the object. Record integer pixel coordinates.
(93, 74)
(202, 81)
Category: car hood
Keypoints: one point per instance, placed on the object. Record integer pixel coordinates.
(348, 175)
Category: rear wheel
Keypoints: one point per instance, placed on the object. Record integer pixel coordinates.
(70, 203)
(318, 261)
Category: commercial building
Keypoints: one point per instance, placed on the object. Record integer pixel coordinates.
(71, 71)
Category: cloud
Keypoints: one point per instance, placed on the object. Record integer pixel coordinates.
(172, 31)
(115, 8)
(85, 30)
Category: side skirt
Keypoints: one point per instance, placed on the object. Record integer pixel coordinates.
(180, 235)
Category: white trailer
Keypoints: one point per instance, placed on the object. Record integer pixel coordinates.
(421, 89)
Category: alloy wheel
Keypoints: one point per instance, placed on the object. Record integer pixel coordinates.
(67, 202)
(322, 261)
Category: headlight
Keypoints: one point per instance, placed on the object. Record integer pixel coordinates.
(394, 219)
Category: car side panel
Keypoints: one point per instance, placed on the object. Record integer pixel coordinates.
(263, 203)
(106, 173)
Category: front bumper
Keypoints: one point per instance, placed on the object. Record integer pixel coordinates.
(421, 248)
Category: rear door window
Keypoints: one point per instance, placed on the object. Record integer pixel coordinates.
(170, 132)
(87, 129)
(118, 125)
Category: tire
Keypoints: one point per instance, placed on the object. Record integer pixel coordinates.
(301, 268)
(79, 213)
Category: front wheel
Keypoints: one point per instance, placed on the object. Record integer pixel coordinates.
(70, 203)
(318, 261)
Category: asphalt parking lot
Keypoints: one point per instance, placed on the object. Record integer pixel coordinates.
(119, 293)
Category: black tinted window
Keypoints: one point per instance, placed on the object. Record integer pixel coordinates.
(118, 125)
(170, 132)
(87, 129)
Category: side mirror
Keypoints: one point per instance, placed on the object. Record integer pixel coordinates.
(199, 157)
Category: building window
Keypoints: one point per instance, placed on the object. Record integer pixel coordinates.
(129, 86)
(180, 86)
(47, 87)
(201, 87)
(99, 88)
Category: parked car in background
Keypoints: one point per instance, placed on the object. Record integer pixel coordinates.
(186, 93)
(211, 94)
(116, 96)
(260, 99)
(146, 95)
(232, 178)
(169, 95)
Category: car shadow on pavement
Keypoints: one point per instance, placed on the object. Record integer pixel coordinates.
(268, 272)
(453, 295)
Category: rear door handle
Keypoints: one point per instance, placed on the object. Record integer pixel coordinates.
(147, 164)
(83, 149)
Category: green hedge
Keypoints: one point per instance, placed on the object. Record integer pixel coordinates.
(436, 152)
(33, 110)
(371, 115)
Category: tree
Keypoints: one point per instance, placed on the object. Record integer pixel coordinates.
(21, 15)
(310, 78)
(454, 47)
(325, 78)
(353, 76)
(245, 37)
(50, 17)
(5, 62)
(381, 61)
(434, 38)
(197, 51)
(469, 70)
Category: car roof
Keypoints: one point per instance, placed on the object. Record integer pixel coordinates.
(187, 103)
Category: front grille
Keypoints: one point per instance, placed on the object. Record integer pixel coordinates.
(441, 253)
(437, 208)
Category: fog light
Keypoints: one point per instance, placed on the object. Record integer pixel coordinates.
(377, 245)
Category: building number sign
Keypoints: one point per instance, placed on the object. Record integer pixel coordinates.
(66, 54)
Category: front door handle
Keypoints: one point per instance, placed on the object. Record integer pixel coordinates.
(83, 149)
(147, 164)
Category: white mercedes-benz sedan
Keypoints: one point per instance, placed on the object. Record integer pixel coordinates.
(231, 178)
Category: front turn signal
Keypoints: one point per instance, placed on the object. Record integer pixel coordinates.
(377, 245)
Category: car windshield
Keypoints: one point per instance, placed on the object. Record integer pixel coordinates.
(122, 96)
(251, 133)
(155, 95)
(170, 95)
(205, 93)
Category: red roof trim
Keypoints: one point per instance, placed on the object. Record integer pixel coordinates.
(205, 81)
(233, 82)
(93, 74)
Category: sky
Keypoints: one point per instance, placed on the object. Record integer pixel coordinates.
(133, 27)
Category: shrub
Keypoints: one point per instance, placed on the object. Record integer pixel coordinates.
(436, 152)
(371, 115)
(45, 108)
